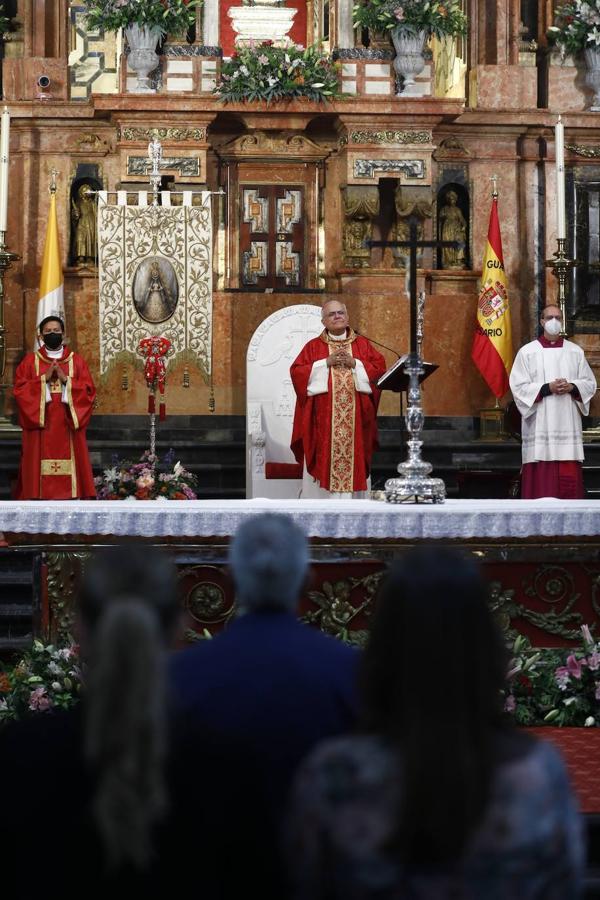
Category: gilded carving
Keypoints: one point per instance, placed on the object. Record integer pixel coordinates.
(64, 571)
(361, 205)
(337, 611)
(584, 150)
(391, 137)
(162, 134)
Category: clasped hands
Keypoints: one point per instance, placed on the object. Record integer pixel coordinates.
(341, 359)
(560, 386)
(54, 372)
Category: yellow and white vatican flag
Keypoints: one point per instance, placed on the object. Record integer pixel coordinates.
(51, 302)
(492, 350)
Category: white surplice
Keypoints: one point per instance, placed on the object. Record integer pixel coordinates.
(551, 427)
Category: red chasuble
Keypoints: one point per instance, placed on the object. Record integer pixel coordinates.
(55, 464)
(336, 432)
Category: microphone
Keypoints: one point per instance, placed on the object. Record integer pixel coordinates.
(379, 344)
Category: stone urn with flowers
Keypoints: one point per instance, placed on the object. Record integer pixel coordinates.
(576, 32)
(410, 23)
(145, 23)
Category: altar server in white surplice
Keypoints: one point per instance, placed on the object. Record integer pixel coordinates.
(552, 385)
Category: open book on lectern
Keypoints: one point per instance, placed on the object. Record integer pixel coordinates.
(396, 378)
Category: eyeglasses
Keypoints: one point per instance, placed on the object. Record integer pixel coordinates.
(336, 312)
(549, 318)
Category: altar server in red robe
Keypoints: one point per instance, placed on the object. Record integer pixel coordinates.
(335, 422)
(55, 397)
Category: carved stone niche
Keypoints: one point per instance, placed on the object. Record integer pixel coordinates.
(409, 203)
(361, 206)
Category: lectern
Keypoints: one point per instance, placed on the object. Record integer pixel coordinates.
(397, 379)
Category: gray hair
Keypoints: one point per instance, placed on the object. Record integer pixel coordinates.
(269, 559)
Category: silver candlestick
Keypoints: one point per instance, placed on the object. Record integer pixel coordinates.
(414, 484)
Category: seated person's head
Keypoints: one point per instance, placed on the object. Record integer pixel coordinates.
(269, 560)
(433, 645)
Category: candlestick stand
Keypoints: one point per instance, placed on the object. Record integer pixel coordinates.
(560, 265)
(6, 260)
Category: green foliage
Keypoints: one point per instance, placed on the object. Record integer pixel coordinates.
(432, 16)
(4, 20)
(576, 26)
(45, 677)
(554, 687)
(266, 72)
(170, 16)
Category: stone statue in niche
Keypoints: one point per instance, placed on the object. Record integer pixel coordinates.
(83, 219)
(453, 227)
(361, 206)
(155, 290)
(409, 202)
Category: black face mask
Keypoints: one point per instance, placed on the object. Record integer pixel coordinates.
(53, 340)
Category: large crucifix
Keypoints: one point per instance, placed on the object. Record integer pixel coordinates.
(413, 243)
(414, 483)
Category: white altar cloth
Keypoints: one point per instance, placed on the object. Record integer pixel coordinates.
(336, 520)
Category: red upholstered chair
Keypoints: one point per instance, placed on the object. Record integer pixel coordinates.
(271, 470)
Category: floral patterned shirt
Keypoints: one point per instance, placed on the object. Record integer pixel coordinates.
(345, 797)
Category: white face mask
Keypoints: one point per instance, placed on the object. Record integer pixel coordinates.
(552, 327)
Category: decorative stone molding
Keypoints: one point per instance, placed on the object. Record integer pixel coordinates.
(178, 51)
(261, 23)
(367, 168)
(390, 137)
(362, 53)
(262, 145)
(190, 167)
(161, 134)
(583, 150)
(451, 148)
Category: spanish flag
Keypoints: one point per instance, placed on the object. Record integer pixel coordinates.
(51, 302)
(492, 344)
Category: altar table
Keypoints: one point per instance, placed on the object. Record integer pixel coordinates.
(541, 557)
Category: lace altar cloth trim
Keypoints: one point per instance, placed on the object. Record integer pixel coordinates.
(344, 519)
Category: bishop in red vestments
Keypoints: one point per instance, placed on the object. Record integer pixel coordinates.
(55, 396)
(335, 422)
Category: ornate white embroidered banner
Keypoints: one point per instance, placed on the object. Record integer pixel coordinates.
(155, 275)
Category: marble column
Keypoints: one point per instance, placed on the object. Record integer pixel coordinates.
(210, 23)
(345, 31)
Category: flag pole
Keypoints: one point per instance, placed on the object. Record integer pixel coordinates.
(492, 341)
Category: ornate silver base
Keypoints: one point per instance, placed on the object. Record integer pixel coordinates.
(415, 490)
(414, 484)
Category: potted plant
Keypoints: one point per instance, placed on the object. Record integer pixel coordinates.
(145, 23)
(576, 30)
(410, 23)
(268, 72)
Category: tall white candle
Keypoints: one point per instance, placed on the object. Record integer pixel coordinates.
(4, 141)
(559, 150)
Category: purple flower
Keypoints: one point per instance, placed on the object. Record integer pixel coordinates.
(574, 665)
(188, 492)
(562, 677)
